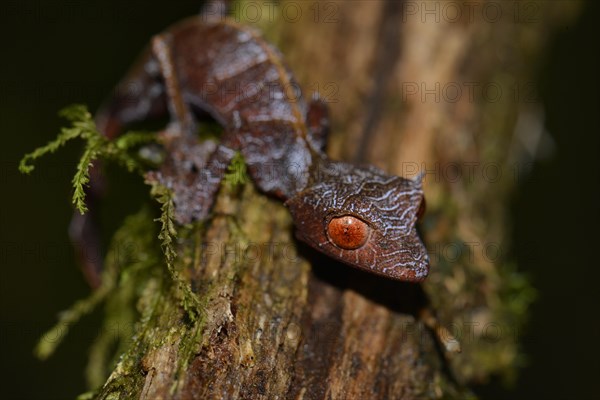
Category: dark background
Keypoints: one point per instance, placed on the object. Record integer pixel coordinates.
(61, 52)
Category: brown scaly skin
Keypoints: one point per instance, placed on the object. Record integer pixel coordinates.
(211, 65)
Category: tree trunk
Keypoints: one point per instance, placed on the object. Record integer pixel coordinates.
(441, 88)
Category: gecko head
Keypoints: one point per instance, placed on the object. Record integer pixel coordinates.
(365, 218)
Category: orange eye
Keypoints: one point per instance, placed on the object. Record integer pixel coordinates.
(421, 209)
(348, 232)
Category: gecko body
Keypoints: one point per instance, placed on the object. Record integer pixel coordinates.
(212, 65)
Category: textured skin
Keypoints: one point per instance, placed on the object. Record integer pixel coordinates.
(217, 67)
(388, 204)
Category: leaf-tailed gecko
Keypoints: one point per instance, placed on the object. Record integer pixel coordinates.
(209, 64)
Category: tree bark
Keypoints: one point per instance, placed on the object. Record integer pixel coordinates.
(409, 92)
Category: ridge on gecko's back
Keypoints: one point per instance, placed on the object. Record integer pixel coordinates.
(358, 215)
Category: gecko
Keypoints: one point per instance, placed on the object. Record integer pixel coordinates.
(210, 65)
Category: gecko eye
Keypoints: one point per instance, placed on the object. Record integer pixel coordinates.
(348, 232)
(422, 208)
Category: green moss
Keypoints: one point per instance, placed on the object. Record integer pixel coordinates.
(80, 118)
(237, 172)
(133, 289)
(136, 264)
(167, 236)
(96, 146)
(516, 296)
